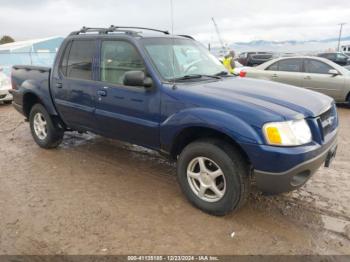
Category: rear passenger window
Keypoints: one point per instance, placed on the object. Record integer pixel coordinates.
(290, 65)
(316, 67)
(273, 67)
(117, 58)
(80, 60)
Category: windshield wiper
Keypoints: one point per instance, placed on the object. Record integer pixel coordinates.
(223, 73)
(195, 76)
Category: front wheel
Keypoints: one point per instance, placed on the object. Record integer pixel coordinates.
(46, 133)
(214, 176)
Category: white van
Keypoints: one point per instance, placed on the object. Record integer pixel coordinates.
(346, 49)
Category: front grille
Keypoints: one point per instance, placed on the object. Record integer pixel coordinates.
(328, 121)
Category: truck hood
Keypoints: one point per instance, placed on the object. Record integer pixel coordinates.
(288, 101)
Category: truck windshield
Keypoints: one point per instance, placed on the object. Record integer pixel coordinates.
(177, 58)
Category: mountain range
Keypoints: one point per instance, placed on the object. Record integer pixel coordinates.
(289, 46)
(290, 42)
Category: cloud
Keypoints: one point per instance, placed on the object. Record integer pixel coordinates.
(238, 20)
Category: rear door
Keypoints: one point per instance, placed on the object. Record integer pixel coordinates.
(129, 113)
(73, 86)
(317, 78)
(285, 71)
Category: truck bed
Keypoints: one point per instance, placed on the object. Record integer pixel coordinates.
(31, 81)
(21, 73)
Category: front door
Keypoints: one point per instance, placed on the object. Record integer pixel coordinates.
(125, 112)
(73, 87)
(317, 78)
(286, 71)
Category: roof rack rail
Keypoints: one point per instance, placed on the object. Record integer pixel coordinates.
(113, 28)
(188, 36)
(87, 29)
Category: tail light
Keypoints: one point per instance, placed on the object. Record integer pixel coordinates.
(243, 73)
(13, 84)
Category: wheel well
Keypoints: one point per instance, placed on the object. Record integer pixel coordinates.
(191, 134)
(29, 100)
(348, 97)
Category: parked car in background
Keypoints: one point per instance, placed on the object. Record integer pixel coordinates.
(314, 73)
(220, 129)
(5, 86)
(336, 57)
(287, 54)
(254, 58)
(346, 49)
(238, 68)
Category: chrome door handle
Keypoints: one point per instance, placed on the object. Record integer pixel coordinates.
(307, 77)
(102, 93)
(274, 75)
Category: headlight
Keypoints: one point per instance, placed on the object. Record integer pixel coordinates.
(290, 133)
(4, 83)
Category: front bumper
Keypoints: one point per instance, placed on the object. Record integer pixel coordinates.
(283, 169)
(5, 95)
(279, 182)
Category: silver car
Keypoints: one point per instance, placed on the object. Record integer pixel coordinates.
(5, 86)
(314, 73)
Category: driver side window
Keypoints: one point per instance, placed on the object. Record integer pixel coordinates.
(117, 58)
(316, 67)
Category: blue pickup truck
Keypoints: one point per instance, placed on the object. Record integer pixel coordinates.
(168, 93)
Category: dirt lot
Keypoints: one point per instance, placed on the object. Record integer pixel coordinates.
(97, 196)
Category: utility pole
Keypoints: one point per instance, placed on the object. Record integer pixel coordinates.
(219, 35)
(340, 32)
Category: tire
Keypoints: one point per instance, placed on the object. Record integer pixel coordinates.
(233, 185)
(45, 131)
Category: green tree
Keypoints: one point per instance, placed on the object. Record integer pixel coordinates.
(6, 39)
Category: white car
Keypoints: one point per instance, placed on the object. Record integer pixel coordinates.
(239, 69)
(5, 86)
(314, 73)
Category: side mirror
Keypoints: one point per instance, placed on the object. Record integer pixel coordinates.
(333, 72)
(137, 78)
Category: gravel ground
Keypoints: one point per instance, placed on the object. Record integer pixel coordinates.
(97, 196)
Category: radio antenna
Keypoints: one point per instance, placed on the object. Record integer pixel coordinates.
(173, 39)
(172, 16)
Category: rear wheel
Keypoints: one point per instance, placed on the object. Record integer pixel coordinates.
(214, 176)
(46, 133)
